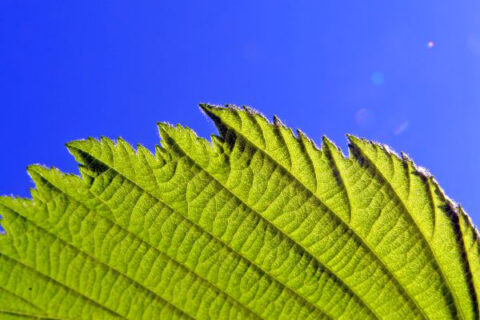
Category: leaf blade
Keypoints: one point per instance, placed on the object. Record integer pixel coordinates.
(258, 223)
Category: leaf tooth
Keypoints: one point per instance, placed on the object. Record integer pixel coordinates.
(436, 227)
(303, 138)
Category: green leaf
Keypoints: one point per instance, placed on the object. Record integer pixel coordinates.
(259, 223)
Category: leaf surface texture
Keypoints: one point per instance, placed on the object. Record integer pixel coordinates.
(257, 223)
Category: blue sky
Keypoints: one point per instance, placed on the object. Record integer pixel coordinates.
(406, 74)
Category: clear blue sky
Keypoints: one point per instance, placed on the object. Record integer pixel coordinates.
(73, 69)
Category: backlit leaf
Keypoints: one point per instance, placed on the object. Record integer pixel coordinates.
(258, 223)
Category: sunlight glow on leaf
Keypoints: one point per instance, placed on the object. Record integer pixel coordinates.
(259, 223)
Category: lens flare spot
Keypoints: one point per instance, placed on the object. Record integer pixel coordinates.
(400, 128)
(377, 78)
(430, 44)
(361, 116)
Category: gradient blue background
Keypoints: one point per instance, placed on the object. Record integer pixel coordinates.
(70, 70)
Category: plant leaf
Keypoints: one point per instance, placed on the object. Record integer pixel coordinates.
(259, 223)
